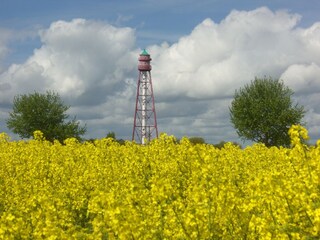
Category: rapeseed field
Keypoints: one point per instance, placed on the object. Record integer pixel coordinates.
(164, 190)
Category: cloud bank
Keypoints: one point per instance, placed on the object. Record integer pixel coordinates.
(93, 66)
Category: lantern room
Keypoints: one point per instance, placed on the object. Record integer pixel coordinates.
(144, 61)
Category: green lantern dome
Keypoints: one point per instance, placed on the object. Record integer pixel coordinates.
(144, 53)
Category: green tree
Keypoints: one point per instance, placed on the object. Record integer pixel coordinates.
(44, 112)
(263, 111)
(111, 135)
(221, 144)
(197, 140)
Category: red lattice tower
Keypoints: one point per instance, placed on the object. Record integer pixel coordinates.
(145, 121)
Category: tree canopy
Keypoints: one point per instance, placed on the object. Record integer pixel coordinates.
(263, 111)
(44, 112)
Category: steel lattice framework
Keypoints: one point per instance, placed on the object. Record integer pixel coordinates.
(145, 121)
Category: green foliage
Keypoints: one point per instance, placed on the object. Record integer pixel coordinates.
(44, 112)
(197, 140)
(263, 112)
(111, 135)
(121, 141)
(221, 144)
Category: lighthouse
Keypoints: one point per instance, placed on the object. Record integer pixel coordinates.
(145, 121)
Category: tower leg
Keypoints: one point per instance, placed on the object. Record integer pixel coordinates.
(145, 123)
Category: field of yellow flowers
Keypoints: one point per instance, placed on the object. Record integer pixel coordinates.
(165, 190)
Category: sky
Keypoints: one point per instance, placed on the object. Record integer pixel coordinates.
(202, 51)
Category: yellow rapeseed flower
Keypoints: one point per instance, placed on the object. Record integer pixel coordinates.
(163, 190)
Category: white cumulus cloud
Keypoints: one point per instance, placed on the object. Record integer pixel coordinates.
(303, 78)
(75, 57)
(216, 58)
